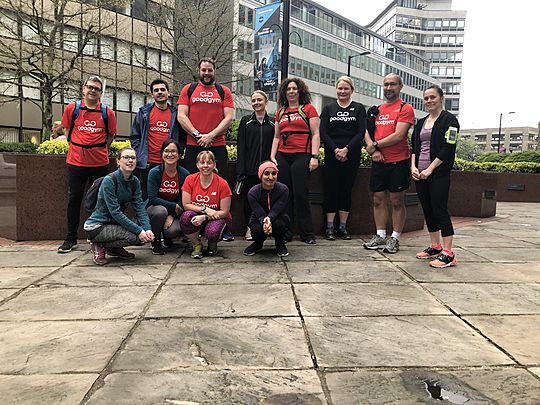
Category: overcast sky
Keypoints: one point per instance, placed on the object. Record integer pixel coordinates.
(501, 61)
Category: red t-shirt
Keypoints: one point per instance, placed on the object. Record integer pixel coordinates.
(386, 123)
(169, 187)
(206, 110)
(294, 122)
(89, 129)
(158, 131)
(210, 196)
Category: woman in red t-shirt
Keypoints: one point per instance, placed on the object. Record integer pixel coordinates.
(295, 149)
(206, 198)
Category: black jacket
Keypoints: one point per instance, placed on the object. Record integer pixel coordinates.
(440, 147)
(254, 144)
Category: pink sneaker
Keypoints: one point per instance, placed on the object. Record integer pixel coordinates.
(98, 252)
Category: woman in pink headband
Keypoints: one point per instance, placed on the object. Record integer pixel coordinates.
(268, 202)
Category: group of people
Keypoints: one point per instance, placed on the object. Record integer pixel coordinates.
(275, 158)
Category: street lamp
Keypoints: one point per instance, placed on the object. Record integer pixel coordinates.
(500, 124)
(354, 56)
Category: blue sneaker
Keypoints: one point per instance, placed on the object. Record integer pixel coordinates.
(228, 236)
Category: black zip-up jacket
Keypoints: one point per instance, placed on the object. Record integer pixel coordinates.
(254, 144)
(439, 146)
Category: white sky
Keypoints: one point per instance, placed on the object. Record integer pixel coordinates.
(501, 59)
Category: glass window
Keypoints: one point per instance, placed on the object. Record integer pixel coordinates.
(138, 9)
(138, 56)
(153, 59)
(107, 48)
(122, 100)
(31, 88)
(137, 100)
(166, 62)
(71, 39)
(8, 25)
(123, 53)
(91, 47)
(108, 96)
(7, 84)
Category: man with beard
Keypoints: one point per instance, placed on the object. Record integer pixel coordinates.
(205, 111)
(389, 150)
(154, 123)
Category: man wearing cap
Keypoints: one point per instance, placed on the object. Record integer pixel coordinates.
(90, 129)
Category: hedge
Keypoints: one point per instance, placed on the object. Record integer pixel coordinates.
(53, 147)
(532, 156)
(512, 167)
(18, 147)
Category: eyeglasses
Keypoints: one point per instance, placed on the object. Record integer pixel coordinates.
(128, 157)
(93, 88)
(170, 152)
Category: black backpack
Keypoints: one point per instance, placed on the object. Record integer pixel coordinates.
(91, 196)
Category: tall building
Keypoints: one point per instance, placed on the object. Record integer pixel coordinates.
(433, 30)
(513, 139)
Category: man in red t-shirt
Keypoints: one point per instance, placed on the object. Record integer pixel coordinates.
(206, 116)
(88, 153)
(390, 153)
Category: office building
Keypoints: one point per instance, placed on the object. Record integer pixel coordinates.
(513, 139)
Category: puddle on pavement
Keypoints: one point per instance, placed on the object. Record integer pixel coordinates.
(438, 392)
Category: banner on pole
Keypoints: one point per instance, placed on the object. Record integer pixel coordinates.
(267, 63)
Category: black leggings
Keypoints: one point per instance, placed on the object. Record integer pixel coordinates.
(279, 227)
(338, 181)
(433, 195)
(294, 173)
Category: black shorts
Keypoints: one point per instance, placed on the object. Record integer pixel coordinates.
(393, 177)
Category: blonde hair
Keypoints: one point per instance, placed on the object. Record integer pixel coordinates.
(347, 80)
(206, 155)
(261, 93)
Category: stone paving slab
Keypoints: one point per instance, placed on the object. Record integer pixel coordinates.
(511, 254)
(59, 347)
(44, 389)
(475, 273)
(222, 301)
(518, 335)
(476, 386)
(134, 274)
(210, 344)
(4, 293)
(535, 370)
(489, 298)
(408, 253)
(337, 252)
(366, 300)
(143, 257)
(237, 273)
(61, 303)
(345, 272)
(20, 277)
(256, 387)
(44, 258)
(400, 341)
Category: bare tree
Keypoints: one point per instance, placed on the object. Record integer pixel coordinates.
(196, 29)
(42, 41)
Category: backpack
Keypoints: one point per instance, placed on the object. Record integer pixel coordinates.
(91, 196)
(303, 115)
(372, 113)
(74, 116)
(183, 134)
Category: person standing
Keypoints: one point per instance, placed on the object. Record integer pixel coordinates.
(295, 149)
(433, 153)
(343, 125)
(254, 143)
(205, 112)
(90, 127)
(389, 150)
(154, 123)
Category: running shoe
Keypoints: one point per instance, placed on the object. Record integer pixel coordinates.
(429, 252)
(98, 254)
(253, 248)
(168, 242)
(197, 251)
(392, 245)
(375, 243)
(343, 234)
(67, 246)
(329, 234)
(120, 252)
(212, 247)
(281, 250)
(157, 249)
(444, 260)
(228, 236)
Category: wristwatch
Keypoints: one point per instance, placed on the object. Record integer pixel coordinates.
(376, 145)
(316, 156)
(196, 134)
(203, 209)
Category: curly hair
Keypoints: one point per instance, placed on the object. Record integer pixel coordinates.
(304, 96)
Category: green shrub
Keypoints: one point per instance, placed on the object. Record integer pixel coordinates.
(232, 153)
(525, 156)
(232, 132)
(61, 147)
(18, 147)
(512, 167)
(365, 159)
(490, 157)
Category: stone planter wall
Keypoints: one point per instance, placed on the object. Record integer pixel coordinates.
(518, 187)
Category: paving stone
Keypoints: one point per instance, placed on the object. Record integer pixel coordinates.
(340, 251)
(474, 273)
(218, 273)
(257, 387)
(6, 292)
(42, 258)
(475, 386)
(408, 253)
(210, 344)
(366, 299)
(345, 272)
(518, 335)
(411, 341)
(22, 276)
(143, 257)
(514, 254)
(59, 347)
(44, 389)
(489, 298)
(219, 300)
(50, 303)
(233, 252)
(130, 274)
(535, 370)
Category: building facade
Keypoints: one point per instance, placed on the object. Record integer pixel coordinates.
(513, 139)
(433, 30)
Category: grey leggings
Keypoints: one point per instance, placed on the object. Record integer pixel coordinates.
(158, 215)
(112, 236)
